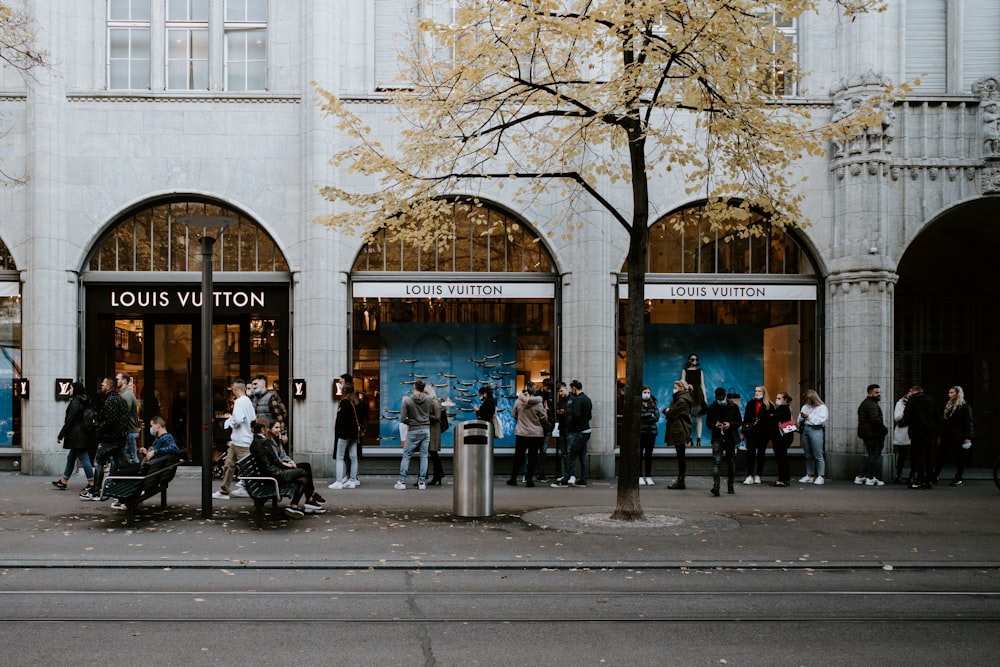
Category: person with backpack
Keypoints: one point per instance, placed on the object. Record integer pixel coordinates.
(76, 437)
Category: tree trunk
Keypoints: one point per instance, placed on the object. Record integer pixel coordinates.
(628, 507)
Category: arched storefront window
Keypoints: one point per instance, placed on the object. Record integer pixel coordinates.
(744, 304)
(10, 349)
(478, 309)
(143, 303)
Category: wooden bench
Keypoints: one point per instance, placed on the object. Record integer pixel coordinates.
(261, 487)
(148, 478)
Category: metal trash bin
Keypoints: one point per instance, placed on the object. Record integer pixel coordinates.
(473, 465)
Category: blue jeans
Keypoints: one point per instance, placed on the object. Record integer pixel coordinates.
(350, 448)
(812, 447)
(576, 450)
(131, 447)
(415, 440)
(84, 456)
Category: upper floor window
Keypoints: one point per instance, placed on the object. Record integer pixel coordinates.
(785, 47)
(167, 45)
(128, 44)
(949, 45)
(187, 44)
(246, 44)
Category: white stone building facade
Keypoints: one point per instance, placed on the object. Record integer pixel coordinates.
(153, 104)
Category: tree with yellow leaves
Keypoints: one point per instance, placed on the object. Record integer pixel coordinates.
(588, 96)
(17, 39)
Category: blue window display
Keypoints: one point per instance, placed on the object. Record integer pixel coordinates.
(456, 359)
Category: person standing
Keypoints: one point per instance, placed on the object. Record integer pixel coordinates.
(812, 425)
(112, 429)
(782, 441)
(346, 433)
(694, 377)
(415, 414)
(901, 438)
(434, 443)
(872, 431)
(124, 381)
(579, 410)
(724, 419)
(678, 415)
(528, 413)
(923, 422)
(241, 421)
(548, 425)
(649, 417)
(956, 434)
(758, 428)
(74, 438)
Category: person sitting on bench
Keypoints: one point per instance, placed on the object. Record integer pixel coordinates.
(164, 443)
(263, 452)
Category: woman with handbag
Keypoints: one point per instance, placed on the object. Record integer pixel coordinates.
(783, 438)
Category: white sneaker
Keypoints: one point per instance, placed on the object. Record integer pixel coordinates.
(808, 479)
(422, 486)
(572, 480)
(756, 479)
(819, 480)
(642, 481)
(357, 482)
(239, 492)
(874, 481)
(118, 505)
(749, 480)
(650, 482)
(219, 495)
(860, 480)
(336, 485)
(400, 486)
(238, 485)
(350, 484)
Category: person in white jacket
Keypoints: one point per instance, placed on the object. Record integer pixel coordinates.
(812, 426)
(901, 439)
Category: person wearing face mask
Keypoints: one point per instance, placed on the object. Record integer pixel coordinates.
(678, 416)
(758, 427)
(782, 441)
(812, 425)
(163, 444)
(724, 419)
(649, 415)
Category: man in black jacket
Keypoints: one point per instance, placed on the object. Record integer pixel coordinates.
(724, 419)
(872, 431)
(922, 417)
(112, 429)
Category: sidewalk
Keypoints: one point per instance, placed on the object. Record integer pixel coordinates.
(376, 526)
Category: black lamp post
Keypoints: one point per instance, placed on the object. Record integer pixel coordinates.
(201, 224)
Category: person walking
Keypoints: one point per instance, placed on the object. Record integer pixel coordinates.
(112, 429)
(415, 414)
(782, 441)
(678, 415)
(872, 431)
(75, 439)
(758, 429)
(812, 425)
(724, 419)
(923, 420)
(901, 439)
(528, 413)
(649, 416)
(956, 435)
(124, 381)
(241, 422)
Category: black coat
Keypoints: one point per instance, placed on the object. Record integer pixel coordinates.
(957, 427)
(72, 433)
(728, 412)
(871, 423)
(758, 425)
(922, 417)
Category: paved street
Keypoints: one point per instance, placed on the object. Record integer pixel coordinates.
(806, 575)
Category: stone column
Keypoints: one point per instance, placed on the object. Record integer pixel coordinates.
(49, 293)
